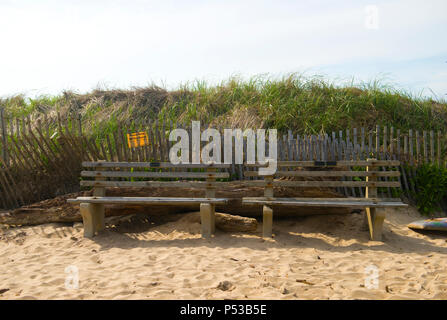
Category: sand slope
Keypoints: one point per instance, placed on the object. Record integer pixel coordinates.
(320, 257)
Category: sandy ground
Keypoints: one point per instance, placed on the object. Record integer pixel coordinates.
(319, 257)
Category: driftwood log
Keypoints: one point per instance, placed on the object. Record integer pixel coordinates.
(58, 210)
(229, 222)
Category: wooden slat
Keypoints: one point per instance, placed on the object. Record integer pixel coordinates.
(5, 155)
(438, 156)
(108, 164)
(147, 200)
(377, 140)
(418, 147)
(432, 146)
(118, 147)
(5, 197)
(327, 173)
(152, 141)
(323, 184)
(52, 149)
(153, 184)
(343, 163)
(143, 174)
(327, 199)
(384, 156)
(123, 143)
(321, 202)
(8, 190)
(391, 141)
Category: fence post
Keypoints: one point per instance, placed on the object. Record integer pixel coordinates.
(439, 147)
(4, 138)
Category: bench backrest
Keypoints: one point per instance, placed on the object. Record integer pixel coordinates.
(368, 177)
(102, 174)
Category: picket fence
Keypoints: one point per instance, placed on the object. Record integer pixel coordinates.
(42, 157)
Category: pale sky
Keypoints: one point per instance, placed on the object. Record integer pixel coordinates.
(49, 46)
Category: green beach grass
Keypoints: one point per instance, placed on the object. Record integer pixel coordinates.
(304, 105)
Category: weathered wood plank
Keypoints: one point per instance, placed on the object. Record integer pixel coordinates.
(324, 184)
(108, 164)
(142, 174)
(309, 202)
(153, 184)
(147, 200)
(328, 173)
(343, 163)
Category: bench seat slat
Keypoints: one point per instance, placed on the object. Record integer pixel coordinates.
(108, 164)
(147, 200)
(329, 199)
(327, 202)
(324, 184)
(327, 174)
(152, 184)
(143, 174)
(358, 163)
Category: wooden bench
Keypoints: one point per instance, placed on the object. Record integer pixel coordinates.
(324, 170)
(142, 174)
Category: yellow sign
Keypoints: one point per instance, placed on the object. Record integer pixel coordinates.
(137, 139)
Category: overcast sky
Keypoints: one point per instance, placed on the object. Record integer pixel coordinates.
(49, 46)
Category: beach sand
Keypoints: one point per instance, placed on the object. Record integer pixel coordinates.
(317, 257)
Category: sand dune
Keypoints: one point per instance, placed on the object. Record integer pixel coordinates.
(320, 257)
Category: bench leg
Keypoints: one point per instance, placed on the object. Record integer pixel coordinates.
(375, 222)
(92, 218)
(213, 218)
(207, 219)
(267, 222)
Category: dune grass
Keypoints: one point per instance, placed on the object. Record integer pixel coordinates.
(304, 105)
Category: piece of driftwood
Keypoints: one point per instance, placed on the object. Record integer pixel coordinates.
(229, 222)
(58, 210)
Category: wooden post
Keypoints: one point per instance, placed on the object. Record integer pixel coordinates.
(439, 148)
(92, 218)
(79, 125)
(418, 147)
(206, 216)
(391, 141)
(267, 222)
(374, 217)
(362, 146)
(268, 190)
(432, 146)
(377, 141)
(4, 138)
(93, 214)
(267, 212)
(45, 121)
(207, 210)
(405, 147)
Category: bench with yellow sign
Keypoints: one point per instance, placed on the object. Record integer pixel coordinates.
(102, 174)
